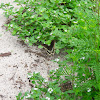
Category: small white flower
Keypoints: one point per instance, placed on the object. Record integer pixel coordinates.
(56, 69)
(35, 88)
(26, 40)
(38, 37)
(32, 16)
(44, 42)
(50, 22)
(29, 76)
(25, 23)
(75, 22)
(28, 95)
(11, 25)
(65, 12)
(85, 2)
(43, 28)
(50, 90)
(36, 72)
(65, 30)
(45, 80)
(51, 33)
(93, 5)
(16, 10)
(40, 33)
(54, 11)
(78, 66)
(78, 4)
(83, 74)
(57, 59)
(41, 10)
(70, 0)
(17, 33)
(59, 99)
(88, 89)
(39, 3)
(82, 58)
(75, 85)
(54, 15)
(29, 9)
(82, 19)
(47, 98)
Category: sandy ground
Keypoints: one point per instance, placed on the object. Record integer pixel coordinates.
(23, 60)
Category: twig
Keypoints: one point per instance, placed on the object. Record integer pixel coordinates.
(5, 54)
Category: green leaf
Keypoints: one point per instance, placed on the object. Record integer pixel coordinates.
(30, 44)
(57, 51)
(45, 16)
(48, 42)
(64, 39)
(52, 0)
(24, 14)
(70, 91)
(40, 46)
(20, 97)
(14, 32)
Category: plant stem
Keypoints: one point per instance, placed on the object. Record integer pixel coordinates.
(96, 44)
(98, 16)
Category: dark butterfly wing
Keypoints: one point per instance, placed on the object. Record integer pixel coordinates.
(50, 49)
(51, 52)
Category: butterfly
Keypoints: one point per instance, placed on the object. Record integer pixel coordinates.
(50, 49)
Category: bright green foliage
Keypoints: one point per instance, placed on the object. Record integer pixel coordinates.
(41, 20)
(85, 56)
(46, 89)
(75, 26)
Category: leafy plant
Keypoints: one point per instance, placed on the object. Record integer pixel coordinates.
(47, 90)
(85, 56)
(72, 24)
(41, 21)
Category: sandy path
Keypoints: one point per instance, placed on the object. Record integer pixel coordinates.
(23, 59)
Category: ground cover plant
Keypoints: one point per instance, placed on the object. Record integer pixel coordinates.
(74, 25)
(41, 21)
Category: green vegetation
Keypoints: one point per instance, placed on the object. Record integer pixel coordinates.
(74, 25)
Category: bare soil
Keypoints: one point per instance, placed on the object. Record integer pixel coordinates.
(16, 60)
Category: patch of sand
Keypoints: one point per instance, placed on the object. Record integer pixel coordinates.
(23, 59)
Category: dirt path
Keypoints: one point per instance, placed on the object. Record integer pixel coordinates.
(17, 62)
